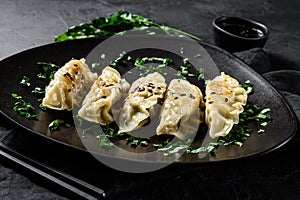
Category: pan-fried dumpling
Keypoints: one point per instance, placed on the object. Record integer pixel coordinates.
(69, 85)
(181, 112)
(225, 99)
(144, 93)
(105, 92)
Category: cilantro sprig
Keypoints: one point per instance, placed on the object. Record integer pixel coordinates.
(115, 24)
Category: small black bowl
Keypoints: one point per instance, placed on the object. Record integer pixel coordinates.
(238, 34)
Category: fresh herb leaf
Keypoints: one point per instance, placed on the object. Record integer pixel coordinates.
(207, 149)
(158, 145)
(48, 70)
(95, 65)
(23, 108)
(116, 24)
(38, 91)
(109, 133)
(176, 147)
(248, 87)
(140, 64)
(78, 120)
(134, 141)
(41, 105)
(25, 81)
(119, 60)
(104, 142)
(55, 124)
(200, 74)
(181, 50)
(102, 56)
(185, 71)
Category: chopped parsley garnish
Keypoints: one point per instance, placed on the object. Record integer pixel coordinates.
(185, 71)
(140, 64)
(102, 56)
(248, 87)
(48, 70)
(38, 91)
(25, 81)
(134, 141)
(95, 65)
(181, 50)
(41, 105)
(104, 141)
(119, 60)
(176, 147)
(23, 108)
(55, 124)
(200, 74)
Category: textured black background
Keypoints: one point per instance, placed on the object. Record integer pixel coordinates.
(25, 24)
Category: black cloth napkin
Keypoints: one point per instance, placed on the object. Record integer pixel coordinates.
(285, 81)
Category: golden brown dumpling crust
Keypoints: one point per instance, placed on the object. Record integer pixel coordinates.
(108, 89)
(225, 99)
(144, 93)
(181, 113)
(69, 85)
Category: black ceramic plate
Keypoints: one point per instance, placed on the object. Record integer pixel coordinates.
(280, 130)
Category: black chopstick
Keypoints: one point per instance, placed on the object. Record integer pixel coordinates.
(65, 183)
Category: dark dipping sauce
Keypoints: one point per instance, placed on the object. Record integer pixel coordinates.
(242, 30)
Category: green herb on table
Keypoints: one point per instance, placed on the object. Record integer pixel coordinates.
(25, 81)
(23, 108)
(55, 124)
(116, 24)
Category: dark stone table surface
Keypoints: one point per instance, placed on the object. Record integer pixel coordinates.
(31, 23)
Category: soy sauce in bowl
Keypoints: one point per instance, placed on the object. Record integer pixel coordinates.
(238, 34)
(242, 30)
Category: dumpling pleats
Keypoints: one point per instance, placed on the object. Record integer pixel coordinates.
(144, 93)
(181, 112)
(69, 85)
(99, 103)
(225, 99)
